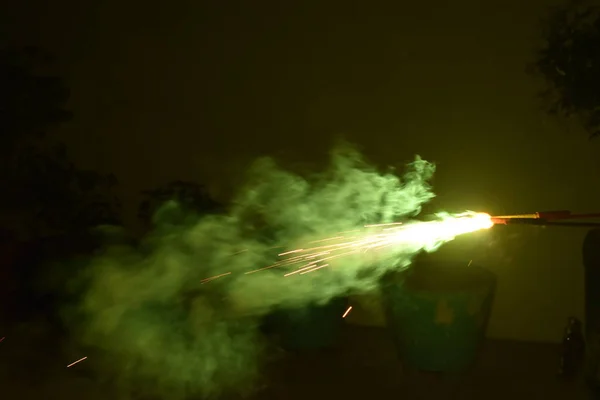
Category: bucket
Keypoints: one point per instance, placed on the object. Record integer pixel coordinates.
(437, 313)
(312, 327)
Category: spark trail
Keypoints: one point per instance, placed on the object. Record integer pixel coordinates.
(396, 237)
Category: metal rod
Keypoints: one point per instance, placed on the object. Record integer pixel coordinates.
(538, 222)
(545, 217)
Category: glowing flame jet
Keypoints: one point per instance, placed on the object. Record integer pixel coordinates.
(410, 237)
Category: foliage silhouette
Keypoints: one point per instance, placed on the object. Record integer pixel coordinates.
(42, 190)
(570, 63)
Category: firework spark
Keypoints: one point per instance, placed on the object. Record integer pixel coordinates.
(314, 269)
(347, 312)
(76, 362)
(212, 278)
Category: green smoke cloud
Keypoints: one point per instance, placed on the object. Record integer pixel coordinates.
(168, 330)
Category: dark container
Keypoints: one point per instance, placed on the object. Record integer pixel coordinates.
(438, 313)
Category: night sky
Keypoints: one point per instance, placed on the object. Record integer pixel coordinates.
(196, 90)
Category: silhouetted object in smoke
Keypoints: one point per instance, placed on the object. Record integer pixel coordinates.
(43, 192)
(570, 63)
(190, 197)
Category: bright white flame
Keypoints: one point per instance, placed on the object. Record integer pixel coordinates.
(430, 235)
(407, 238)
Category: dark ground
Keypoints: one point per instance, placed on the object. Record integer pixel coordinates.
(364, 366)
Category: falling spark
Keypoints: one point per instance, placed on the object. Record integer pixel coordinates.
(314, 269)
(290, 252)
(317, 255)
(2, 339)
(212, 278)
(347, 312)
(308, 266)
(76, 362)
(264, 268)
(469, 264)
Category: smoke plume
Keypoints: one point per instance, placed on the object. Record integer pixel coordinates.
(165, 326)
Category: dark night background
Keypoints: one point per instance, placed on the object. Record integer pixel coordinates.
(194, 91)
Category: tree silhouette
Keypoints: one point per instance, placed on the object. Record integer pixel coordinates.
(570, 63)
(42, 189)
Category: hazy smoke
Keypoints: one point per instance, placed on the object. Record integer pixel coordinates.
(162, 327)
